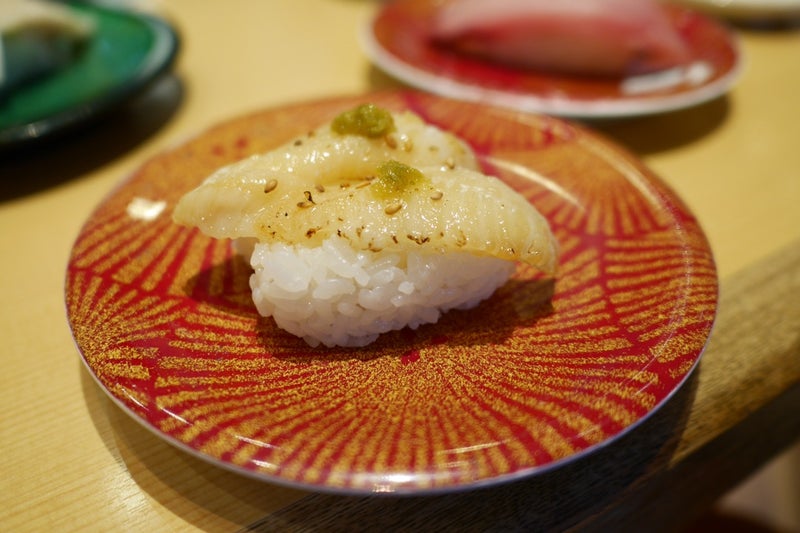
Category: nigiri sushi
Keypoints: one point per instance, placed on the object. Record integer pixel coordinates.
(360, 232)
(588, 37)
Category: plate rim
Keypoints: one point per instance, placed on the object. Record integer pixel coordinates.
(749, 9)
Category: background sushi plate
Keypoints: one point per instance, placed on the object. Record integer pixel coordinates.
(125, 54)
(397, 41)
(544, 372)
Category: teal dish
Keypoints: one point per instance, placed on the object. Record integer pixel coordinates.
(125, 54)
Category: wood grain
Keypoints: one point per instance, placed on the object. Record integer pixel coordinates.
(728, 419)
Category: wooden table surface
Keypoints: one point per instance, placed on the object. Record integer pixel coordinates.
(73, 461)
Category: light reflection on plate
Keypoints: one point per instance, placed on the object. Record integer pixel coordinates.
(749, 9)
(396, 40)
(536, 376)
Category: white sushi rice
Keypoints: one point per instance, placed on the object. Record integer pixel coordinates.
(337, 296)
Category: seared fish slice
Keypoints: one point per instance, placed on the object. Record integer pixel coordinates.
(375, 194)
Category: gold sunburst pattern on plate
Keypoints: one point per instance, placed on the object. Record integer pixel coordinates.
(543, 371)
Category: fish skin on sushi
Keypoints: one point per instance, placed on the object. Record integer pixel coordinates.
(358, 233)
(585, 37)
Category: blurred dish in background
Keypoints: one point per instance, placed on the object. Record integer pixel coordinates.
(119, 56)
(399, 40)
(38, 38)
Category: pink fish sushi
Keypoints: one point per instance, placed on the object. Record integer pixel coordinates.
(588, 37)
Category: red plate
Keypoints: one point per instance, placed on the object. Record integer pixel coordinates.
(163, 318)
(397, 41)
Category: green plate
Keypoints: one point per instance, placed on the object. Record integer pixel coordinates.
(127, 51)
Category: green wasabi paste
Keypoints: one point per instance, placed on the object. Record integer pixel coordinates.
(367, 120)
(394, 177)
